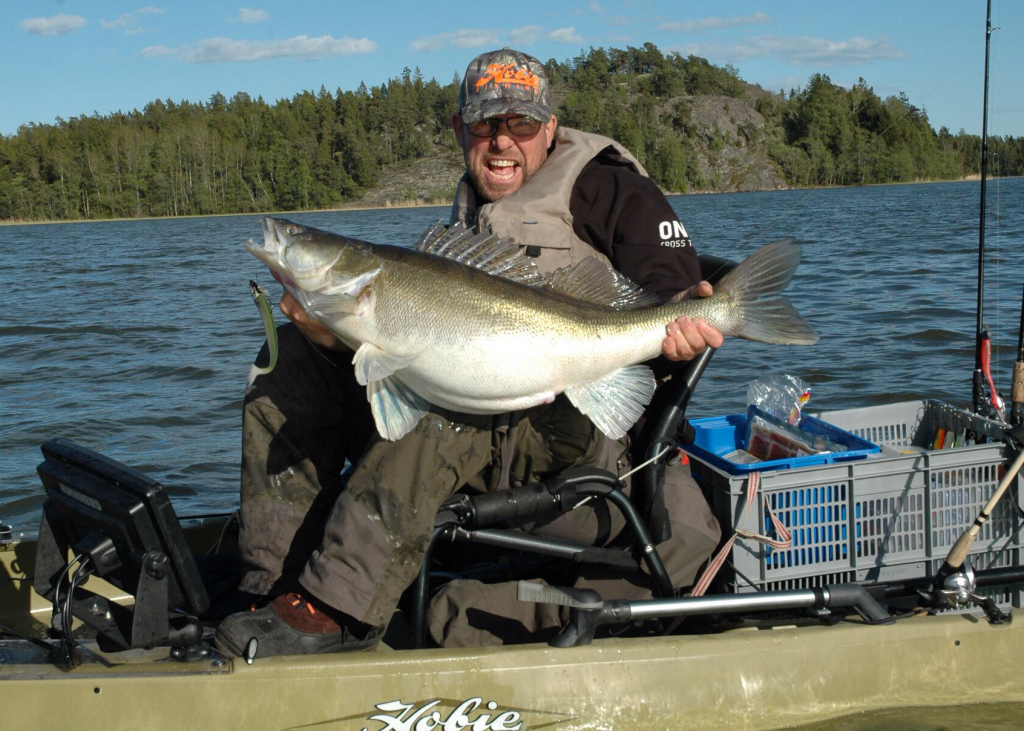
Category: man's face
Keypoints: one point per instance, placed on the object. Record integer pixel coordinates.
(499, 165)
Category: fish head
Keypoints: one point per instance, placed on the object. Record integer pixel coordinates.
(307, 258)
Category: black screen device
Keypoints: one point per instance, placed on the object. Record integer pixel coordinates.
(122, 526)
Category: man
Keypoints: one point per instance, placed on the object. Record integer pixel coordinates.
(334, 561)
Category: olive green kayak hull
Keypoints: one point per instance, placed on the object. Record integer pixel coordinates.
(741, 679)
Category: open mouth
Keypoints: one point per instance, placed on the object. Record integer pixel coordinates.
(502, 171)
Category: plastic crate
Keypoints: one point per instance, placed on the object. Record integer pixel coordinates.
(892, 516)
(717, 436)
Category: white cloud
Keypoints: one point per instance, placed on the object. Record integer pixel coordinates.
(704, 24)
(595, 7)
(565, 35)
(526, 35)
(55, 25)
(484, 38)
(131, 23)
(226, 50)
(430, 43)
(474, 39)
(460, 39)
(249, 15)
(800, 51)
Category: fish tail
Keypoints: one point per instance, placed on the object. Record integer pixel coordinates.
(758, 309)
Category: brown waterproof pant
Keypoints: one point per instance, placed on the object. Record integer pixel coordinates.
(360, 547)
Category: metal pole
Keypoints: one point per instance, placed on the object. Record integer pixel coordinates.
(978, 379)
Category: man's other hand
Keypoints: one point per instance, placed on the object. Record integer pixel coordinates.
(685, 338)
(317, 333)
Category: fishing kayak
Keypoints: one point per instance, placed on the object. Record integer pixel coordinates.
(882, 521)
(795, 654)
(764, 675)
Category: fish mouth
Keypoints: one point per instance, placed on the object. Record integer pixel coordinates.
(265, 252)
(273, 249)
(262, 252)
(284, 250)
(277, 232)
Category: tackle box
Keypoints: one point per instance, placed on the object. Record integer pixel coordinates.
(893, 515)
(716, 437)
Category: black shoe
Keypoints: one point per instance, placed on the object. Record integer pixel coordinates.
(290, 625)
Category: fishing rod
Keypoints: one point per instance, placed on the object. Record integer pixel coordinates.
(947, 579)
(954, 562)
(1017, 389)
(981, 336)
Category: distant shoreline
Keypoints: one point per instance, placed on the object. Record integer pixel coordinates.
(437, 203)
(353, 207)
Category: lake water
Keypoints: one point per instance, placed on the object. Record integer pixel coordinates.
(135, 337)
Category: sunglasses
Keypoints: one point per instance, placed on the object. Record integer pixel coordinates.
(517, 127)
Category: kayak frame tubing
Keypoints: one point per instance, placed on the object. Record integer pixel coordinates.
(584, 621)
(559, 494)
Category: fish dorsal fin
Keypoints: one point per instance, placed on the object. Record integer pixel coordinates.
(499, 256)
(595, 282)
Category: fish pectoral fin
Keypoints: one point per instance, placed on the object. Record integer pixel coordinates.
(373, 364)
(396, 407)
(615, 402)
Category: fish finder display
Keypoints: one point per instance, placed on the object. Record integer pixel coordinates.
(104, 518)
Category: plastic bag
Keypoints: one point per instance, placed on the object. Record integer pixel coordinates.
(781, 396)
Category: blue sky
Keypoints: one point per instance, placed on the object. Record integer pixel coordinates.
(71, 57)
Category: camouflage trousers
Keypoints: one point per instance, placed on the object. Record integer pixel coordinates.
(359, 547)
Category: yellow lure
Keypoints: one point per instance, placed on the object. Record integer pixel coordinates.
(259, 296)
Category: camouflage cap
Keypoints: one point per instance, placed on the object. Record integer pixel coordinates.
(504, 82)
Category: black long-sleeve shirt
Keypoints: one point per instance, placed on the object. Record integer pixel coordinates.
(623, 215)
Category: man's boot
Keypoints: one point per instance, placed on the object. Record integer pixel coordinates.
(294, 625)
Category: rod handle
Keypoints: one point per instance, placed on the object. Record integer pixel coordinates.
(957, 554)
(1017, 391)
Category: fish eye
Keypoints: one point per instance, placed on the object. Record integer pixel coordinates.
(294, 229)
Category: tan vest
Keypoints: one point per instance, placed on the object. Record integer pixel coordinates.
(537, 215)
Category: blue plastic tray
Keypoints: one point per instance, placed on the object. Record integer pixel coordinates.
(717, 436)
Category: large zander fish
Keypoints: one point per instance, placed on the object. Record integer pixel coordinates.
(465, 322)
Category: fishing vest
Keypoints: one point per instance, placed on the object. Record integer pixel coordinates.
(537, 216)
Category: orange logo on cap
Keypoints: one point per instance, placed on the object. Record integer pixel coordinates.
(507, 74)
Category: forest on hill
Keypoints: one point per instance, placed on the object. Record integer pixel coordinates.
(694, 125)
